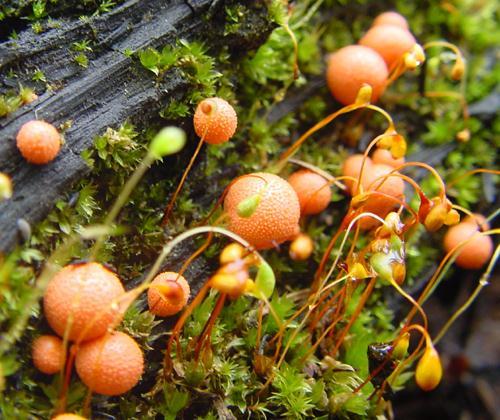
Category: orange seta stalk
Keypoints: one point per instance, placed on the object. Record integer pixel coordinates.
(170, 206)
(207, 330)
(364, 297)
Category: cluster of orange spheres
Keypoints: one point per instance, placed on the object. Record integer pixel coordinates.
(281, 204)
(81, 302)
(276, 217)
(369, 62)
(84, 302)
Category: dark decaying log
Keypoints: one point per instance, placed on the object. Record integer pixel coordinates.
(112, 89)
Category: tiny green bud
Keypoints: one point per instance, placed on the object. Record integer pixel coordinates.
(168, 141)
(5, 187)
(248, 206)
(396, 243)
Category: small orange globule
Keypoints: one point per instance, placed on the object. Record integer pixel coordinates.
(350, 68)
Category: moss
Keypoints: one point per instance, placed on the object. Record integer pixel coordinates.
(36, 10)
(234, 18)
(13, 100)
(229, 379)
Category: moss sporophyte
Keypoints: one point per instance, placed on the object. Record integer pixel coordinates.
(266, 292)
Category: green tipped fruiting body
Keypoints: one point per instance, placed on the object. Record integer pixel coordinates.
(168, 141)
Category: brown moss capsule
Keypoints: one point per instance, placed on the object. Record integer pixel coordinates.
(429, 370)
(301, 247)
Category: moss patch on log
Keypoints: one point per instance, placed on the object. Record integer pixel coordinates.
(228, 384)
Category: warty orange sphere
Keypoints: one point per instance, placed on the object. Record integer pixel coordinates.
(476, 252)
(276, 218)
(349, 68)
(168, 294)
(48, 354)
(68, 416)
(313, 191)
(391, 42)
(83, 292)
(38, 141)
(111, 364)
(215, 120)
